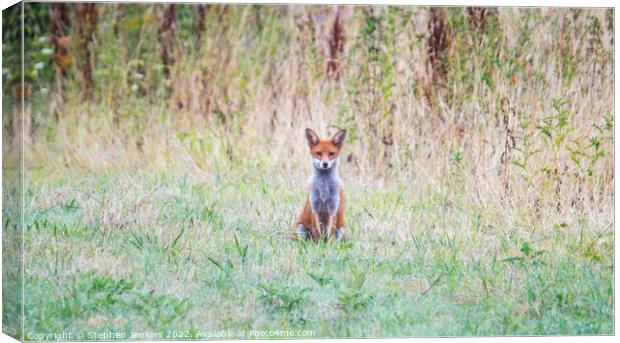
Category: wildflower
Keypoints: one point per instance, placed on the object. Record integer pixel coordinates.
(134, 87)
(42, 39)
(47, 51)
(138, 76)
(39, 66)
(44, 91)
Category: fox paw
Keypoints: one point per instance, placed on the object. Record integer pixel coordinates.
(339, 233)
(302, 232)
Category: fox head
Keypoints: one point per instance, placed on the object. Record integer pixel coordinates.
(325, 152)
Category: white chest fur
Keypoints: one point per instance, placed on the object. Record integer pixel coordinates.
(324, 194)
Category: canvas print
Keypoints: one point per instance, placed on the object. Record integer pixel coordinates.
(239, 171)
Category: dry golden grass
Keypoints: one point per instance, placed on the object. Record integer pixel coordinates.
(247, 96)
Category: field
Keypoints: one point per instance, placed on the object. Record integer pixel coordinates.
(133, 252)
(478, 171)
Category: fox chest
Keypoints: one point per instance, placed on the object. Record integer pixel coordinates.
(324, 197)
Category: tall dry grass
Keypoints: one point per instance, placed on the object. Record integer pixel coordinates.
(520, 116)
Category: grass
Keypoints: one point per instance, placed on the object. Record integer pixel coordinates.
(141, 251)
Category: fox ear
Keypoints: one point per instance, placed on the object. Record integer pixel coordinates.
(339, 137)
(312, 137)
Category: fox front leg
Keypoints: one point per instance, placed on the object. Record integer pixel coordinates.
(340, 221)
(332, 230)
(316, 228)
(324, 231)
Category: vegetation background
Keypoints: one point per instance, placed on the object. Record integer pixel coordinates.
(165, 162)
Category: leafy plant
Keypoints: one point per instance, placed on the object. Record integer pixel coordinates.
(529, 256)
(281, 297)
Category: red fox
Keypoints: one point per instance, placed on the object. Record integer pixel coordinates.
(323, 213)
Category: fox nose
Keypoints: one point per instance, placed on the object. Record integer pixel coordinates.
(324, 164)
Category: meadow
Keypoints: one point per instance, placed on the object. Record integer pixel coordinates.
(163, 177)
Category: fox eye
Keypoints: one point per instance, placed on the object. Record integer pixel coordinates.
(331, 154)
(318, 154)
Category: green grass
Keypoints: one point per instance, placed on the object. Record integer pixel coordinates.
(131, 251)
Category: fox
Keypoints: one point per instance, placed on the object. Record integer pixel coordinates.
(323, 213)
